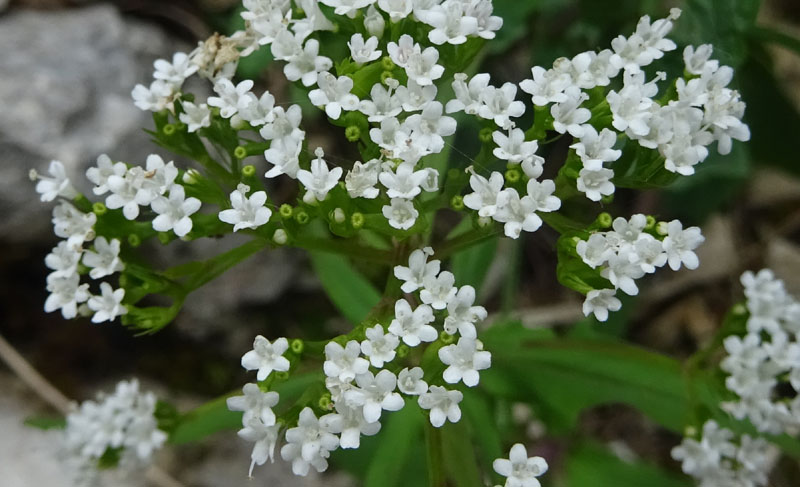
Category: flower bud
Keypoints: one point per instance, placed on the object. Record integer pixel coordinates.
(457, 202)
(513, 175)
(357, 220)
(446, 338)
(338, 215)
(297, 346)
(286, 211)
(402, 351)
(301, 217)
(352, 133)
(240, 152)
(280, 237)
(651, 223)
(485, 135)
(374, 23)
(98, 208)
(385, 76)
(134, 240)
(484, 221)
(387, 64)
(324, 402)
(604, 220)
(168, 129)
(662, 228)
(249, 171)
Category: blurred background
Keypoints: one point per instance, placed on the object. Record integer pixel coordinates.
(66, 72)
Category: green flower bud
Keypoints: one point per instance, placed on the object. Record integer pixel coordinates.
(446, 338)
(297, 346)
(280, 237)
(240, 152)
(281, 375)
(513, 175)
(385, 75)
(387, 64)
(607, 199)
(651, 223)
(286, 211)
(662, 228)
(324, 402)
(739, 309)
(357, 220)
(604, 220)
(163, 237)
(485, 135)
(134, 240)
(338, 215)
(484, 221)
(457, 202)
(168, 129)
(352, 133)
(180, 126)
(99, 208)
(403, 350)
(249, 171)
(301, 217)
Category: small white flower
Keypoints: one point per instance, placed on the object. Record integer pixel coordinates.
(547, 86)
(229, 96)
(600, 302)
(344, 363)
(514, 149)
(73, 225)
(450, 23)
(375, 394)
(360, 181)
(255, 404)
(383, 102)
(265, 438)
(57, 184)
(468, 95)
(462, 315)
(246, 212)
(320, 180)
(266, 357)
(595, 182)
(439, 290)
(443, 404)
(415, 96)
(174, 212)
(464, 359)
(349, 423)
(379, 346)
(334, 94)
(517, 213)
(500, 106)
(363, 51)
(397, 9)
(594, 146)
(400, 213)
(257, 111)
(66, 292)
(154, 98)
(484, 198)
(63, 259)
(413, 327)
(304, 62)
(104, 260)
(175, 72)
(373, 22)
(347, 7)
(519, 469)
(284, 157)
(405, 182)
(99, 174)
(418, 270)
(308, 445)
(410, 381)
(284, 128)
(195, 116)
(679, 244)
(569, 116)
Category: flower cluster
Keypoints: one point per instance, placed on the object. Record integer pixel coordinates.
(631, 249)
(121, 424)
(720, 459)
(69, 259)
(763, 367)
(362, 378)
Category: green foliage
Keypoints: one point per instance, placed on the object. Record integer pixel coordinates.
(46, 422)
(590, 465)
(352, 294)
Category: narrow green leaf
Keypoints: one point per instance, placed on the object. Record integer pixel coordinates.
(458, 456)
(352, 294)
(471, 265)
(400, 439)
(46, 422)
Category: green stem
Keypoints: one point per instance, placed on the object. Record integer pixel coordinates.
(433, 439)
(463, 241)
(344, 247)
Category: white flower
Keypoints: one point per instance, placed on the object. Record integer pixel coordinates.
(99, 174)
(593, 146)
(679, 244)
(308, 445)
(73, 225)
(596, 251)
(175, 72)
(255, 404)
(349, 423)
(499, 105)
(631, 107)
(600, 302)
(284, 157)
(648, 43)
(468, 95)
(697, 60)
(284, 128)
(347, 7)
(450, 23)
(421, 66)
(428, 128)
(485, 194)
(257, 111)
(401, 213)
(266, 357)
(517, 213)
(462, 315)
(383, 103)
(363, 51)
(375, 394)
(514, 149)
(404, 182)
(108, 305)
(410, 381)
(246, 212)
(66, 292)
(418, 270)
(595, 182)
(174, 212)
(465, 359)
(320, 180)
(360, 181)
(443, 405)
(265, 438)
(56, 185)
(304, 62)
(373, 22)
(195, 116)
(623, 270)
(397, 9)
(334, 94)
(63, 259)
(413, 327)
(229, 96)
(547, 86)
(519, 469)
(438, 291)
(379, 346)
(154, 98)
(415, 96)
(104, 260)
(345, 362)
(569, 116)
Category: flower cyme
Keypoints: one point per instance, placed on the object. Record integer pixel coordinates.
(266, 357)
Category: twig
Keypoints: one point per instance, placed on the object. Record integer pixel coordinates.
(55, 398)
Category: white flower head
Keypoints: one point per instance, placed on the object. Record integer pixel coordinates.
(413, 326)
(443, 405)
(363, 51)
(319, 180)
(266, 357)
(519, 469)
(56, 185)
(246, 212)
(104, 259)
(379, 346)
(464, 359)
(344, 363)
(174, 212)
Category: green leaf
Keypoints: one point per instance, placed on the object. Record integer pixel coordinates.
(481, 421)
(591, 465)
(722, 23)
(471, 265)
(352, 294)
(397, 451)
(46, 422)
(566, 376)
(515, 15)
(460, 465)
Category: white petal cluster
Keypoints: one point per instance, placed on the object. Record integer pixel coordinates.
(258, 421)
(519, 469)
(57, 185)
(763, 367)
(122, 420)
(719, 459)
(246, 212)
(629, 251)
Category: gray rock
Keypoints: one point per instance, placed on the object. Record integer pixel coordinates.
(65, 85)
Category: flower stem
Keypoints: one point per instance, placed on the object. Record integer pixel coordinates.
(433, 440)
